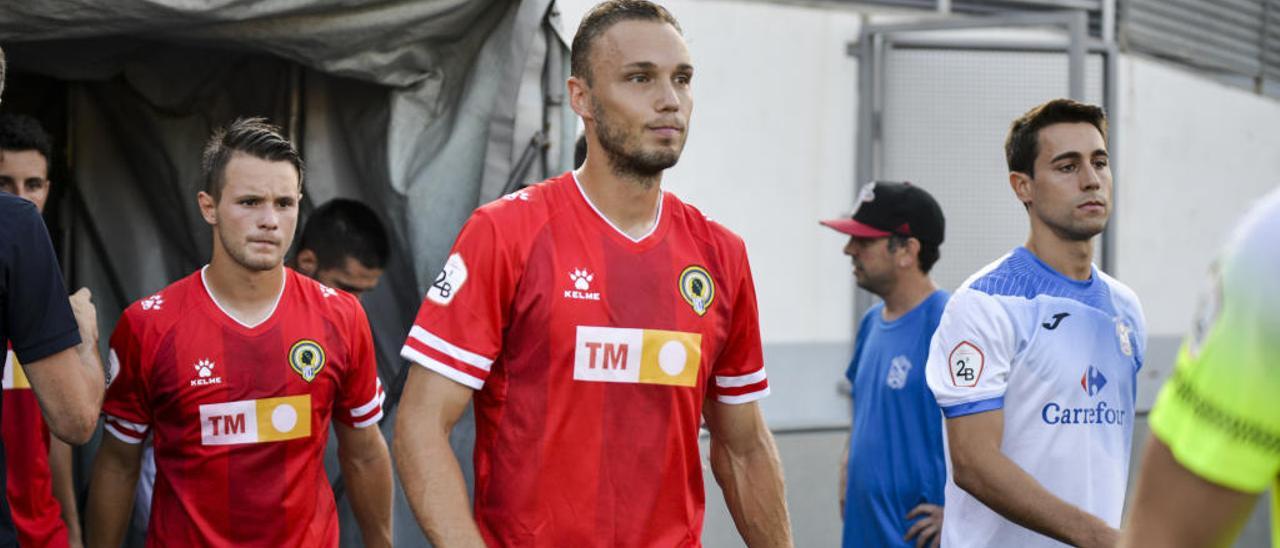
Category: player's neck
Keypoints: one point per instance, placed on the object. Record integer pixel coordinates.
(631, 205)
(1071, 258)
(906, 295)
(248, 296)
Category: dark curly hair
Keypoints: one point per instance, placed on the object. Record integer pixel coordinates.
(22, 132)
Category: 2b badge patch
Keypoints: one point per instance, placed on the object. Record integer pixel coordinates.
(965, 363)
(449, 281)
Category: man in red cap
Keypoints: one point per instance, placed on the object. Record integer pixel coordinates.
(893, 471)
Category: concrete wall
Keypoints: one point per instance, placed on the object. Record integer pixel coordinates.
(1192, 154)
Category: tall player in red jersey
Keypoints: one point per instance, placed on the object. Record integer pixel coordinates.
(594, 320)
(38, 484)
(236, 371)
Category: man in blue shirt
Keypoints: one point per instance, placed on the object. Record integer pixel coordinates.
(894, 472)
(37, 317)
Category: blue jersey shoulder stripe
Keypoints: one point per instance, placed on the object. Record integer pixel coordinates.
(1022, 274)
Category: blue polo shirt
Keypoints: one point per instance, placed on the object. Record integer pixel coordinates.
(34, 312)
(896, 456)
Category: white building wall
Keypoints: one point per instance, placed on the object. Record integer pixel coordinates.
(1192, 154)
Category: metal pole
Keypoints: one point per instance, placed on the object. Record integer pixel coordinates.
(1108, 21)
(1078, 27)
(866, 99)
(864, 171)
(1111, 58)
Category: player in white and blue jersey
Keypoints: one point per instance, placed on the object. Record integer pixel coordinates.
(1035, 360)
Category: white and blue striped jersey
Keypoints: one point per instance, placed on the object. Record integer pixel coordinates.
(1061, 358)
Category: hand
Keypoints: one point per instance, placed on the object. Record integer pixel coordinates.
(929, 528)
(86, 315)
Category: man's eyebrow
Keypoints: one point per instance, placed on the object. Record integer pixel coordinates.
(1065, 155)
(641, 65)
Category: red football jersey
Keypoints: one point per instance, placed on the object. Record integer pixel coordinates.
(592, 354)
(29, 481)
(240, 415)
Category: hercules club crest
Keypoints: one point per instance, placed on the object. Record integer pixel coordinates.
(307, 359)
(697, 288)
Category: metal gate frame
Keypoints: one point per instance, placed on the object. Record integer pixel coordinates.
(877, 39)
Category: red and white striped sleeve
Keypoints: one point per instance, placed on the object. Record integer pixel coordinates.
(742, 388)
(125, 410)
(458, 330)
(360, 403)
(435, 353)
(739, 372)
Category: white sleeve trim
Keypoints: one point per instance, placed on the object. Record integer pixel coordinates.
(139, 428)
(453, 374)
(470, 358)
(378, 396)
(370, 421)
(741, 380)
(129, 432)
(743, 398)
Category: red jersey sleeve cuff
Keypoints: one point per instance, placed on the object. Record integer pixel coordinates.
(371, 412)
(434, 353)
(129, 432)
(742, 388)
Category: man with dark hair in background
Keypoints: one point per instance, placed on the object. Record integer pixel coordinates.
(893, 471)
(344, 245)
(1035, 360)
(55, 338)
(237, 371)
(40, 491)
(594, 320)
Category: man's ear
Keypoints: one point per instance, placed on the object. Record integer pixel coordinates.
(1021, 185)
(307, 262)
(208, 207)
(580, 97)
(911, 254)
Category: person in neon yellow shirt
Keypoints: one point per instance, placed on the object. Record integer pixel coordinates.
(1216, 423)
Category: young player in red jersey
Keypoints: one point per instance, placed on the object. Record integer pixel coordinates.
(594, 320)
(39, 488)
(236, 372)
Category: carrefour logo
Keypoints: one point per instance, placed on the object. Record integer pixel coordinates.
(1092, 381)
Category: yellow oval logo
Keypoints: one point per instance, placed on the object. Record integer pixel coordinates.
(307, 359)
(697, 288)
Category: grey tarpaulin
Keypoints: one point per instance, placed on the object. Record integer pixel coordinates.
(423, 109)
